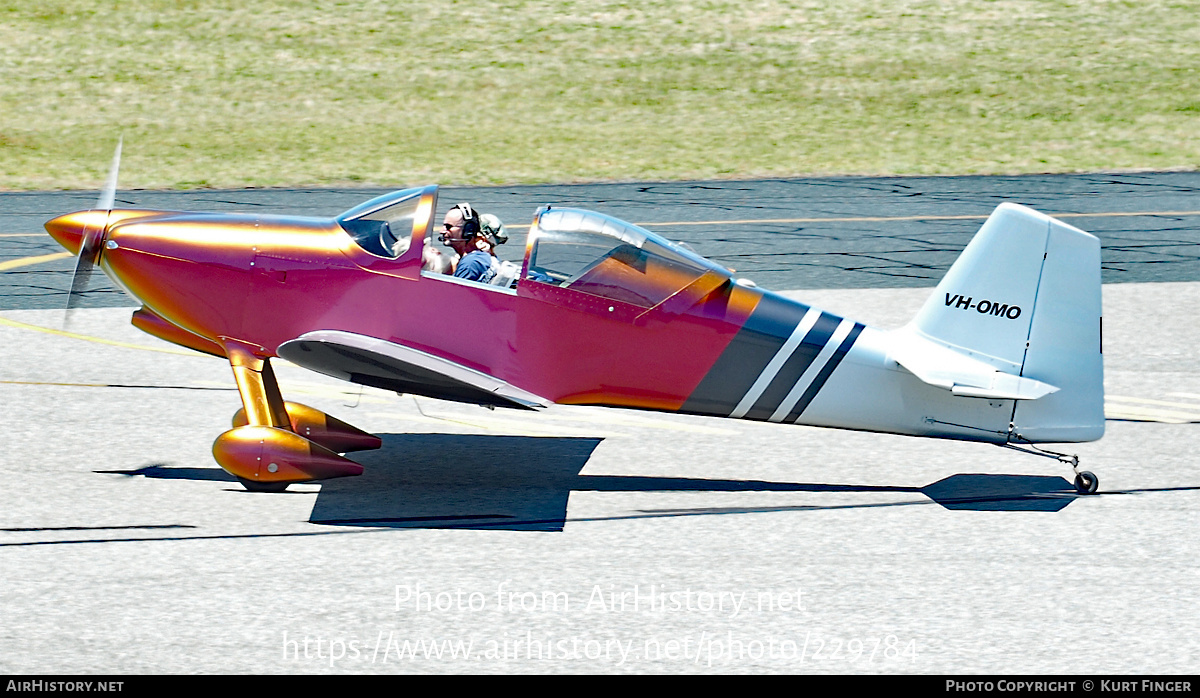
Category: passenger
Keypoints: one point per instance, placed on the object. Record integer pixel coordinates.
(504, 272)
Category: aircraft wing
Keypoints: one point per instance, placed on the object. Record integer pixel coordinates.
(390, 366)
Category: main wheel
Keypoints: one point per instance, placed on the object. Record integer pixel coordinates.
(253, 486)
(1086, 482)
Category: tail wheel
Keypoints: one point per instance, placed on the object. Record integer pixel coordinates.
(1086, 482)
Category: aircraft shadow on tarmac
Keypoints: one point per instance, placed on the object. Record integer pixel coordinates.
(523, 483)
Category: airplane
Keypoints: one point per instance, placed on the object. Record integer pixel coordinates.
(1007, 349)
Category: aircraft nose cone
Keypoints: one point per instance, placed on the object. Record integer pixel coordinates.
(68, 230)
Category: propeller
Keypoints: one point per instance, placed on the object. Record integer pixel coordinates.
(92, 240)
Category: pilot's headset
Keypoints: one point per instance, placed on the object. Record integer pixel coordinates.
(470, 224)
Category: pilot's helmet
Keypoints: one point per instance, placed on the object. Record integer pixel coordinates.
(492, 229)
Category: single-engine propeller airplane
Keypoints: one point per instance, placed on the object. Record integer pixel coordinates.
(1006, 351)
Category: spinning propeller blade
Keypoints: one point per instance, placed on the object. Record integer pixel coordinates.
(109, 193)
(92, 240)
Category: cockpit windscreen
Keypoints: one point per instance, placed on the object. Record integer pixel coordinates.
(383, 226)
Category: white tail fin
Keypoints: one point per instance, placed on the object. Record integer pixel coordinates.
(1024, 297)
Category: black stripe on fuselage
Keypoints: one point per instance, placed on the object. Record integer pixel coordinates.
(748, 353)
(826, 371)
(795, 366)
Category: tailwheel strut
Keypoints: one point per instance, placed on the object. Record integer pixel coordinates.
(1086, 481)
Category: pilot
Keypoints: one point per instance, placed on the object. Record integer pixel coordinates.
(474, 237)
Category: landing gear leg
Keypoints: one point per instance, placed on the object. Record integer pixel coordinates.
(1086, 481)
(265, 453)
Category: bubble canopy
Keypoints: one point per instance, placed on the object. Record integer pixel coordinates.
(597, 254)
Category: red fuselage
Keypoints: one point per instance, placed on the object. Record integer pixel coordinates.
(261, 281)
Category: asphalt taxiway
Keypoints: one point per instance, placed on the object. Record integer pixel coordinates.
(594, 540)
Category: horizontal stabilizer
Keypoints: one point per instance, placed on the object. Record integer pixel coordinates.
(390, 366)
(962, 375)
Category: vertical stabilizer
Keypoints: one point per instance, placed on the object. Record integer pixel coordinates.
(1024, 297)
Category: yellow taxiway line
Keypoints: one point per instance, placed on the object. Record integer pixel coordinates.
(98, 340)
(39, 259)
